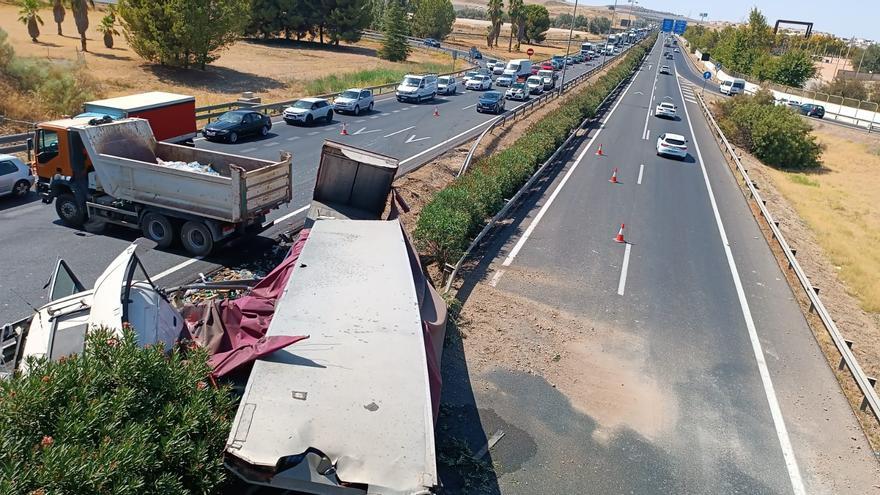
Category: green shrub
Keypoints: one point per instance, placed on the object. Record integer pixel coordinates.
(457, 213)
(774, 134)
(368, 77)
(117, 419)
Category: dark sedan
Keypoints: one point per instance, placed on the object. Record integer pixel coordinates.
(431, 42)
(232, 125)
(491, 101)
(812, 110)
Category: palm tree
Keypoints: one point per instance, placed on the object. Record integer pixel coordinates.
(80, 9)
(58, 12)
(29, 15)
(108, 27)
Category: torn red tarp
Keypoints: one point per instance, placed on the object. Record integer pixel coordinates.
(234, 330)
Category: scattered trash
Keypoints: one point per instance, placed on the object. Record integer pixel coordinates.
(189, 167)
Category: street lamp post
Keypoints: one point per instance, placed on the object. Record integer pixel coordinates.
(568, 48)
(613, 13)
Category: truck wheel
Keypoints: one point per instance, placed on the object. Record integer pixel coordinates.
(69, 211)
(21, 188)
(196, 238)
(157, 227)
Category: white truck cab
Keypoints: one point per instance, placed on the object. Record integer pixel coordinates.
(521, 67)
(415, 88)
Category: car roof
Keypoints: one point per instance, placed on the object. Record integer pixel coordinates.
(10, 157)
(312, 99)
(354, 89)
(675, 136)
(666, 103)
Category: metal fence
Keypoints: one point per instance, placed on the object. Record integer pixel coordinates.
(14, 143)
(844, 347)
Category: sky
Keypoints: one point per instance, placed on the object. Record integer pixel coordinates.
(845, 19)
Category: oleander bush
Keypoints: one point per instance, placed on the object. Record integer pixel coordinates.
(116, 419)
(456, 214)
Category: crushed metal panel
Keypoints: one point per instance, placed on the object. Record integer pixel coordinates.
(354, 178)
(357, 389)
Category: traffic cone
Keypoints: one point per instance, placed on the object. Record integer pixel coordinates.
(436, 112)
(619, 236)
(599, 151)
(344, 131)
(613, 178)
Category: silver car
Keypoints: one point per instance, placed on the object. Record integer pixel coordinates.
(15, 176)
(504, 80)
(354, 101)
(447, 85)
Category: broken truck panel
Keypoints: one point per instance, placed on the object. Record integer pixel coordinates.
(63, 282)
(352, 404)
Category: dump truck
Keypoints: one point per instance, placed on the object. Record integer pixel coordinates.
(172, 117)
(102, 172)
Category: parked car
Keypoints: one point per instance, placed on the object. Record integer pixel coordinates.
(308, 110)
(447, 85)
(15, 176)
(548, 77)
(665, 69)
(535, 85)
(490, 101)
(431, 42)
(669, 144)
(354, 101)
(504, 80)
(813, 110)
(236, 123)
(665, 110)
(517, 91)
(417, 88)
(479, 82)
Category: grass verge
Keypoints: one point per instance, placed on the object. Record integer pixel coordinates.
(333, 83)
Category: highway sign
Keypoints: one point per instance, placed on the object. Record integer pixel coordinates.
(707, 75)
(667, 25)
(680, 26)
(530, 52)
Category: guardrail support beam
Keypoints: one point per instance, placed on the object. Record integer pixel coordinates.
(813, 306)
(842, 364)
(864, 405)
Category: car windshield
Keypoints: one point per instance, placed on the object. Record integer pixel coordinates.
(479, 78)
(230, 117)
(492, 95)
(674, 141)
(412, 81)
(667, 105)
(518, 86)
(470, 74)
(303, 104)
(350, 94)
(534, 80)
(443, 80)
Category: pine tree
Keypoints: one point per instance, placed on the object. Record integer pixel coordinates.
(433, 19)
(347, 19)
(394, 47)
(496, 18)
(377, 14)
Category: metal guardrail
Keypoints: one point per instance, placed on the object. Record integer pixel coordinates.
(521, 192)
(14, 143)
(844, 347)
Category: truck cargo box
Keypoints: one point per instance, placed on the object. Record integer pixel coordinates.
(171, 116)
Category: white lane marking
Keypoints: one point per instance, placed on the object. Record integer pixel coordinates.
(395, 111)
(412, 139)
(690, 100)
(295, 212)
(292, 138)
(269, 144)
(622, 284)
(641, 172)
(175, 268)
(398, 132)
(376, 116)
(311, 133)
(363, 130)
(794, 474)
(358, 121)
(405, 108)
(248, 150)
(453, 138)
(411, 106)
(528, 232)
(469, 106)
(650, 102)
(496, 277)
(648, 135)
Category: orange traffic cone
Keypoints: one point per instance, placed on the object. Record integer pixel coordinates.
(344, 131)
(436, 112)
(599, 151)
(613, 178)
(619, 236)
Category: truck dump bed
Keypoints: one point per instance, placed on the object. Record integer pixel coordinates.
(124, 153)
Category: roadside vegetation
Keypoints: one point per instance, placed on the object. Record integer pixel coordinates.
(774, 134)
(368, 77)
(116, 419)
(455, 215)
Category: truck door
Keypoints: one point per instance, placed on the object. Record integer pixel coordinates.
(47, 154)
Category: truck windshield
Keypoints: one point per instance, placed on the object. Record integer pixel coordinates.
(48, 142)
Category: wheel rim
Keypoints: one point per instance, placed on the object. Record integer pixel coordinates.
(265, 130)
(233, 137)
(157, 230)
(357, 110)
(21, 188)
(197, 238)
(68, 209)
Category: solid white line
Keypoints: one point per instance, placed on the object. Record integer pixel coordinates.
(528, 232)
(622, 284)
(651, 102)
(641, 171)
(398, 132)
(794, 474)
(176, 268)
(648, 135)
(496, 277)
(469, 106)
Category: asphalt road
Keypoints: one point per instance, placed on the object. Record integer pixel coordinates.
(741, 399)
(33, 237)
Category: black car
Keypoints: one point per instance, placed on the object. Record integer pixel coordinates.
(475, 54)
(812, 110)
(236, 123)
(491, 101)
(432, 42)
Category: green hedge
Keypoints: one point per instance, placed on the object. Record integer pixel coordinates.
(456, 214)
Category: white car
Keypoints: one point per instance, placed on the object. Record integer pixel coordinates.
(498, 69)
(479, 82)
(517, 91)
(308, 110)
(447, 85)
(15, 176)
(354, 101)
(535, 85)
(672, 145)
(664, 69)
(549, 79)
(417, 88)
(504, 80)
(665, 110)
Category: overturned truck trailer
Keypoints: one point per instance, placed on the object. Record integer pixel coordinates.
(349, 410)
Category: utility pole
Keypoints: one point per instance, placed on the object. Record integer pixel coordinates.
(611, 27)
(568, 48)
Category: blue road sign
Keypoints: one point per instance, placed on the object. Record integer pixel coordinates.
(667, 25)
(707, 75)
(680, 26)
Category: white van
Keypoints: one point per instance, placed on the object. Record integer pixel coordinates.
(521, 67)
(417, 88)
(733, 87)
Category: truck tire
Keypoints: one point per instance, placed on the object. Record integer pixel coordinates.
(196, 238)
(158, 228)
(69, 211)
